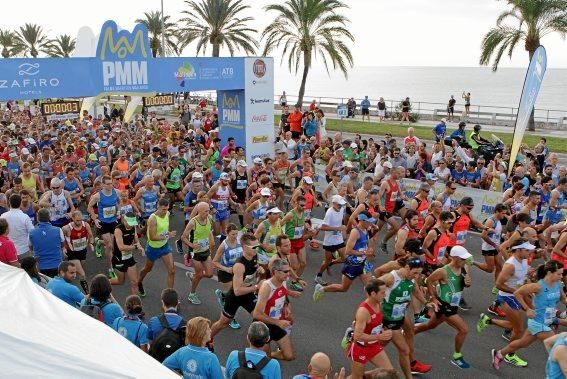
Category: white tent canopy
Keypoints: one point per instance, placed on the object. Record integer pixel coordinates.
(43, 337)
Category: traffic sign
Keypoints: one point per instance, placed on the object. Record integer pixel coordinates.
(342, 111)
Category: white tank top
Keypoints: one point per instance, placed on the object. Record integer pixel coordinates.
(495, 236)
(58, 206)
(519, 276)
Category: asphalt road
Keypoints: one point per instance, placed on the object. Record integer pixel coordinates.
(320, 326)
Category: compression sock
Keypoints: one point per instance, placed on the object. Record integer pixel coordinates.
(457, 355)
(84, 285)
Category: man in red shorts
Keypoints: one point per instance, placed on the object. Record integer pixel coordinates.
(295, 226)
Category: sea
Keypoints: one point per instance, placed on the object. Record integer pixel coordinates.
(427, 84)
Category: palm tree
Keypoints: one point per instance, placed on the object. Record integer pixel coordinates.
(32, 39)
(307, 29)
(152, 21)
(533, 20)
(10, 44)
(61, 47)
(217, 22)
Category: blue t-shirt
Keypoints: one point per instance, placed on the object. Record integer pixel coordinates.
(457, 176)
(365, 104)
(472, 177)
(46, 242)
(110, 311)
(310, 128)
(134, 330)
(154, 326)
(270, 371)
(195, 363)
(440, 129)
(65, 291)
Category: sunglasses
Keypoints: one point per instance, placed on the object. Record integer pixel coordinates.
(449, 222)
(470, 208)
(454, 188)
(284, 271)
(253, 246)
(302, 205)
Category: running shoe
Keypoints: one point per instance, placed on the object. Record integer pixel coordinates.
(384, 247)
(318, 292)
(189, 275)
(141, 290)
(496, 359)
(496, 311)
(319, 280)
(179, 245)
(111, 274)
(234, 324)
(506, 335)
(295, 286)
(194, 299)
(421, 319)
(460, 363)
(98, 248)
(494, 291)
(220, 297)
(420, 368)
(513, 359)
(346, 338)
(482, 323)
(464, 305)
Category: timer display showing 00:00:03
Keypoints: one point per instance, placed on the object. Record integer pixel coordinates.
(54, 108)
(158, 100)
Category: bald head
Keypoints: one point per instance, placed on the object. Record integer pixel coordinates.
(320, 365)
(202, 208)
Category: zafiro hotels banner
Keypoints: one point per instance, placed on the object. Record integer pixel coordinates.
(532, 84)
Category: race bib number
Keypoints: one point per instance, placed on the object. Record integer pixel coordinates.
(203, 244)
(250, 280)
(272, 240)
(151, 206)
(456, 299)
(441, 252)
(241, 184)
(549, 315)
(376, 330)
(393, 196)
(79, 244)
(276, 310)
(461, 236)
(399, 310)
(220, 205)
(297, 232)
(108, 212)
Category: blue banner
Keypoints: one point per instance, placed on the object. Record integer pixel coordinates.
(123, 64)
(532, 84)
(231, 111)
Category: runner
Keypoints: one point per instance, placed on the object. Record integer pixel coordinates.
(105, 218)
(420, 204)
(271, 305)
(409, 230)
(239, 185)
(173, 181)
(333, 241)
(147, 198)
(59, 203)
(157, 245)
(445, 286)
(369, 334)
(220, 195)
(126, 243)
(198, 236)
(545, 294)
(356, 264)
(390, 195)
(78, 236)
(295, 226)
(436, 242)
(267, 232)
(446, 198)
(258, 208)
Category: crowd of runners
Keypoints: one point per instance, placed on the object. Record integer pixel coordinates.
(110, 188)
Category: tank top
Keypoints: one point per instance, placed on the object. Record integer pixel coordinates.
(138, 177)
(545, 302)
(107, 206)
(276, 301)
(148, 201)
(391, 196)
(30, 184)
(77, 239)
(452, 291)
(543, 205)
(397, 298)
(123, 168)
(239, 185)
(412, 233)
(372, 210)
(59, 206)
(127, 239)
(200, 235)
(558, 258)
(31, 213)
(71, 186)
(174, 182)
(519, 276)
(260, 212)
(231, 254)
(294, 227)
(460, 229)
(162, 229)
(219, 199)
(439, 246)
(214, 156)
(250, 275)
(446, 202)
(361, 244)
(493, 236)
(374, 326)
(281, 170)
(309, 199)
(270, 235)
(422, 209)
(552, 368)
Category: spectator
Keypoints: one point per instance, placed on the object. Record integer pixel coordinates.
(309, 125)
(411, 139)
(294, 120)
(398, 160)
(20, 225)
(258, 337)
(101, 295)
(8, 254)
(283, 100)
(62, 287)
(365, 108)
(439, 131)
(351, 107)
(442, 172)
(320, 367)
(130, 326)
(46, 242)
(458, 173)
(284, 123)
(406, 106)
(451, 108)
(195, 360)
(29, 265)
(169, 305)
(313, 106)
(472, 176)
(381, 109)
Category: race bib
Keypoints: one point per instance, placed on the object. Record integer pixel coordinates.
(126, 256)
(108, 212)
(250, 280)
(441, 252)
(456, 299)
(549, 315)
(393, 196)
(399, 310)
(220, 205)
(461, 237)
(376, 330)
(297, 232)
(151, 206)
(272, 240)
(241, 184)
(79, 244)
(276, 310)
(203, 244)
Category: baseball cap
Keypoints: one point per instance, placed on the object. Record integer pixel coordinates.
(131, 219)
(265, 192)
(307, 180)
(242, 163)
(353, 145)
(3, 162)
(218, 161)
(468, 201)
(224, 176)
(103, 143)
(13, 155)
(365, 216)
(257, 160)
(25, 151)
(31, 141)
(443, 119)
(460, 252)
(526, 245)
(96, 146)
(92, 157)
(340, 149)
(338, 199)
(387, 164)
(197, 175)
(347, 164)
(431, 177)
(274, 210)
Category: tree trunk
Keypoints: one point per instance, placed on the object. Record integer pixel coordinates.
(531, 121)
(306, 65)
(216, 49)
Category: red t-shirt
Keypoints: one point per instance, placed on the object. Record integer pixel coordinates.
(8, 252)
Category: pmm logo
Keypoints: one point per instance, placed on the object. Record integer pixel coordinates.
(259, 68)
(230, 108)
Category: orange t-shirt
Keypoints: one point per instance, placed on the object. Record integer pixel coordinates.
(294, 120)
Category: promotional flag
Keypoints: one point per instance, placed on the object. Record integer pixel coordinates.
(532, 84)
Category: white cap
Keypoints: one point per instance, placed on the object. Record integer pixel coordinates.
(242, 163)
(274, 210)
(348, 164)
(265, 192)
(257, 160)
(224, 176)
(196, 175)
(526, 245)
(443, 119)
(95, 146)
(340, 149)
(31, 141)
(387, 164)
(307, 180)
(460, 252)
(353, 145)
(338, 199)
(25, 151)
(13, 155)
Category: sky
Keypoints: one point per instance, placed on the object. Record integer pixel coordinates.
(387, 32)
